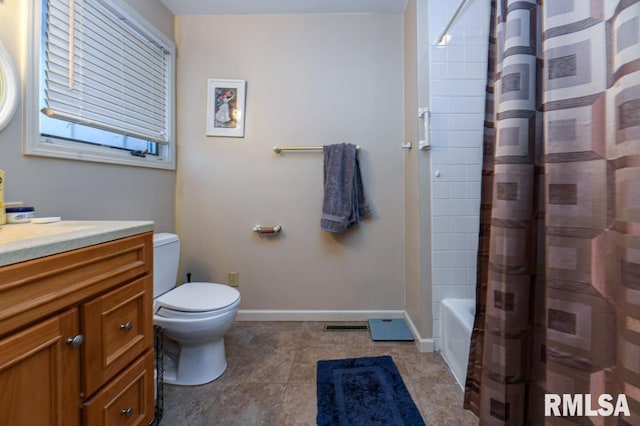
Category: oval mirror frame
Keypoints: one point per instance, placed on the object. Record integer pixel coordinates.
(9, 88)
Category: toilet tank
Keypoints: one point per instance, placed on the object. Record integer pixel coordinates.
(166, 254)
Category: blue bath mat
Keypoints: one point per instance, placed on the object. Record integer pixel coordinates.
(390, 329)
(364, 391)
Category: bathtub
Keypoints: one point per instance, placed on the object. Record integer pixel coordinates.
(456, 323)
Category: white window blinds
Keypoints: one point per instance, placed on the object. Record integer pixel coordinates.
(103, 70)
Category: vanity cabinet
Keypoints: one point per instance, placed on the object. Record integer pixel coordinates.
(76, 336)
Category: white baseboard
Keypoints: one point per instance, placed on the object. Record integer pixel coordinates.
(314, 315)
(423, 344)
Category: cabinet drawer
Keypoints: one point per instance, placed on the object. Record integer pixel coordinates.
(31, 290)
(118, 327)
(126, 400)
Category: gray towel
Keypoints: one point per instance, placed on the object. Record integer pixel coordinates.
(344, 203)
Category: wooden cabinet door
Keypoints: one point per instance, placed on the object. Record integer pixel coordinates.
(118, 327)
(39, 374)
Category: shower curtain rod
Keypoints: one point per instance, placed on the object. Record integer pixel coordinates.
(440, 40)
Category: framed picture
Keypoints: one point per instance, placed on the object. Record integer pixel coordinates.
(225, 107)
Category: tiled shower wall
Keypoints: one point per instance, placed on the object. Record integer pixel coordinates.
(457, 77)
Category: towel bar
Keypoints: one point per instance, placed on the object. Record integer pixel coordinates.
(278, 149)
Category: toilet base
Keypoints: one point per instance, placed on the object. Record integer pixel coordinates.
(195, 364)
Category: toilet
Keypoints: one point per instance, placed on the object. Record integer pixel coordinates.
(194, 318)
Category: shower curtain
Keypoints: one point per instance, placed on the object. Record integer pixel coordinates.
(558, 294)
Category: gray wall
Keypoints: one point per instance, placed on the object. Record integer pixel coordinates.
(311, 80)
(76, 189)
(416, 184)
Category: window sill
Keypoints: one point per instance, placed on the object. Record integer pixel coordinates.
(56, 148)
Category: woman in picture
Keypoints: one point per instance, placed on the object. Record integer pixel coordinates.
(222, 108)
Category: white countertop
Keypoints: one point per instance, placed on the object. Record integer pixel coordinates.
(26, 241)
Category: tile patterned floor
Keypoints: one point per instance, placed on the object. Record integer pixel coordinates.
(271, 375)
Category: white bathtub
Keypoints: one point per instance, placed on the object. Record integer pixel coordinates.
(456, 323)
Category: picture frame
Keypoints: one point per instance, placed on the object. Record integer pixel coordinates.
(226, 107)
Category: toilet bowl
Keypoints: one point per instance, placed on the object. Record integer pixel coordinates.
(194, 318)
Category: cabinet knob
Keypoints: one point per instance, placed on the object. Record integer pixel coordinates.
(75, 341)
(127, 412)
(127, 326)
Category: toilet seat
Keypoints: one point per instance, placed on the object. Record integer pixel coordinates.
(197, 300)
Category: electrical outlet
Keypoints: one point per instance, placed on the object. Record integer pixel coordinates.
(234, 279)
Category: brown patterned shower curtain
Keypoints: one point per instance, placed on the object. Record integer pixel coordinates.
(558, 296)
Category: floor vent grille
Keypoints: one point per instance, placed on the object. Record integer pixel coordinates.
(346, 327)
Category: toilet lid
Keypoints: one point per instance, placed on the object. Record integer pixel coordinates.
(198, 297)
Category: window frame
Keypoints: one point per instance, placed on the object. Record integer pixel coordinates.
(47, 146)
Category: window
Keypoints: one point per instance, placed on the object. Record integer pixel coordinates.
(100, 85)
